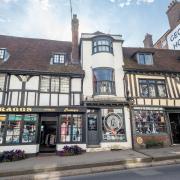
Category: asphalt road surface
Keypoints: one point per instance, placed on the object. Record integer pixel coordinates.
(171, 172)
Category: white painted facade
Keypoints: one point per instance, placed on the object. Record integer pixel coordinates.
(105, 60)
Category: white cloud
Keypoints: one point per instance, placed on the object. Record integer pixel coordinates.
(123, 3)
(9, 1)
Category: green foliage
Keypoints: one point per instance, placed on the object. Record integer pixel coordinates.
(154, 144)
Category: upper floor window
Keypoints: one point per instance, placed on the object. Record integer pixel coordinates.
(103, 81)
(145, 58)
(2, 53)
(58, 58)
(152, 88)
(54, 84)
(102, 45)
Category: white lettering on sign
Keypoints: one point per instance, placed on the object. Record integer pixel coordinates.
(174, 39)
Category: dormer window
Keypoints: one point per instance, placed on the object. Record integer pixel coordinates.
(2, 53)
(58, 58)
(145, 58)
(102, 44)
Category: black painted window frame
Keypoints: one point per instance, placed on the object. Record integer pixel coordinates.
(148, 82)
(98, 46)
(112, 83)
(2, 53)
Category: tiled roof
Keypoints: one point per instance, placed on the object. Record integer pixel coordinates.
(164, 60)
(34, 55)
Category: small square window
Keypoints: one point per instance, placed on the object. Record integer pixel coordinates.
(145, 59)
(58, 59)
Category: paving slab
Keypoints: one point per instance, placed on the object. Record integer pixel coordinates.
(159, 154)
(86, 160)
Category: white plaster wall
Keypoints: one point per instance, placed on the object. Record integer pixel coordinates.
(29, 149)
(76, 84)
(44, 99)
(59, 147)
(33, 83)
(15, 83)
(103, 59)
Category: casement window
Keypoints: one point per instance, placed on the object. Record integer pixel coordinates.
(145, 58)
(152, 88)
(149, 122)
(54, 84)
(45, 84)
(2, 53)
(70, 128)
(58, 58)
(103, 81)
(102, 44)
(2, 81)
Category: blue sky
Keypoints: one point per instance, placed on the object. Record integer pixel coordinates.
(50, 19)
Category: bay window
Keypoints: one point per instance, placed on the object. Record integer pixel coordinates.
(102, 44)
(103, 81)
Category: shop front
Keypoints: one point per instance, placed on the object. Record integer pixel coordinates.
(150, 125)
(108, 127)
(41, 129)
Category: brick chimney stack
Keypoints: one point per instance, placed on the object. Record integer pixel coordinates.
(148, 42)
(75, 46)
(173, 14)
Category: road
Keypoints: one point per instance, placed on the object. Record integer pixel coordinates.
(151, 173)
(171, 172)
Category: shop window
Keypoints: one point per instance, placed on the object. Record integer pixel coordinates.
(2, 127)
(103, 81)
(149, 122)
(102, 44)
(71, 128)
(152, 88)
(29, 128)
(113, 125)
(13, 129)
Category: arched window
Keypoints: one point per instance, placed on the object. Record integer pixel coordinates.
(102, 44)
(103, 81)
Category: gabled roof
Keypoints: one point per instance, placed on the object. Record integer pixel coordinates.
(164, 60)
(27, 54)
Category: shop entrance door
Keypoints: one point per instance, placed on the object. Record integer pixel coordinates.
(175, 127)
(93, 138)
(48, 134)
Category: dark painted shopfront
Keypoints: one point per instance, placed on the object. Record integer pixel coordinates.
(44, 126)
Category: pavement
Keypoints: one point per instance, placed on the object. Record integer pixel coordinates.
(88, 163)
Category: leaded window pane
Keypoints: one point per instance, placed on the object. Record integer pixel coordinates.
(2, 51)
(2, 81)
(148, 59)
(161, 90)
(152, 90)
(141, 59)
(45, 83)
(64, 86)
(55, 84)
(144, 90)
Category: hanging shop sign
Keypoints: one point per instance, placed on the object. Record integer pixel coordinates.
(174, 39)
(113, 122)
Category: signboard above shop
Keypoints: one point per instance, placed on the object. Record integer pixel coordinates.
(173, 39)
